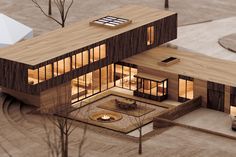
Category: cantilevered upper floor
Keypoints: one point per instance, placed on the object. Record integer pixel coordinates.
(79, 35)
(59, 56)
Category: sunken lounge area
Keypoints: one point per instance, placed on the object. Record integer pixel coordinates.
(117, 111)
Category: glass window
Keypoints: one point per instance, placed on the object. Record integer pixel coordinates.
(119, 75)
(73, 62)
(61, 67)
(82, 87)
(85, 58)
(111, 75)
(182, 88)
(150, 35)
(96, 54)
(78, 60)
(55, 69)
(102, 51)
(67, 64)
(185, 88)
(189, 89)
(133, 79)
(91, 56)
(140, 85)
(89, 84)
(74, 88)
(153, 88)
(160, 89)
(126, 77)
(32, 76)
(42, 74)
(103, 78)
(147, 87)
(48, 71)
(96, 81)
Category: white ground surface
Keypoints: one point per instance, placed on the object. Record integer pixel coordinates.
(208, 119)
(203, 37)
(146, 129)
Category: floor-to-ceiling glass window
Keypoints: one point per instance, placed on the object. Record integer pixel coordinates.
(185, 88)
(104, 82)
(110, 75)
(92, 83)
(124, 76)
(96, 81)
(151, 89)
(119, 75)
(88, 85)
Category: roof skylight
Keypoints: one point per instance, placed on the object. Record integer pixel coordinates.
(111, 22)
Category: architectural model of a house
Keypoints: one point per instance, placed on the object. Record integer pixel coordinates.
(118, 49)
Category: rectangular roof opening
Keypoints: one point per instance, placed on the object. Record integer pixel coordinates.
(111, 22)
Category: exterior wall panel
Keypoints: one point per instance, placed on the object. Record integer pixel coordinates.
(15, 76)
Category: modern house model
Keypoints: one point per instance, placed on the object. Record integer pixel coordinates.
(119, 49)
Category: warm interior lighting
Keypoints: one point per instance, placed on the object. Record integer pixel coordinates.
(32, 76)
(102, 51)
(150, 35)
(185, 89)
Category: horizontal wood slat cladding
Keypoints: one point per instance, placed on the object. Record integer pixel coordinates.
(14, 75)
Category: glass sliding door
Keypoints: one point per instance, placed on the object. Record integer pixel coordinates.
(134, 71)
(124, 76)
(119, 75)
(96, 81)
(185, 88)
(92, 83)
(104, 78)
(110, 75)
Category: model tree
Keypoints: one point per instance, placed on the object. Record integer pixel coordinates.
(58, 126)
(166, 3)
(49, 7)
(63, 7)
(138, 121)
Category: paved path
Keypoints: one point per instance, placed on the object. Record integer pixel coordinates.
(203, 38)
(208, 119)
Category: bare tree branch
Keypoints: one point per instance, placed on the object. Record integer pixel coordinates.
(61, 6)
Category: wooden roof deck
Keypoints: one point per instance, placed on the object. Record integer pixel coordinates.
(150, 77)
(191, 64)
(78, 35)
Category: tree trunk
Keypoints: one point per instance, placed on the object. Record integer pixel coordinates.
(140, 141)
(166, 3)
(66, 144)
(62, 142)
(49, 7)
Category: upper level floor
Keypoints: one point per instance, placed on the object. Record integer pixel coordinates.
(56, 57)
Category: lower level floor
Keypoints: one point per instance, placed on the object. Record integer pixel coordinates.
(140, 81)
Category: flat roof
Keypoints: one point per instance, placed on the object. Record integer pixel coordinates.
(75, 36)
(150, 77)
(191, 64)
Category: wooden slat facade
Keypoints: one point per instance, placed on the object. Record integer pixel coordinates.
(14, 75)
(215, 96)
